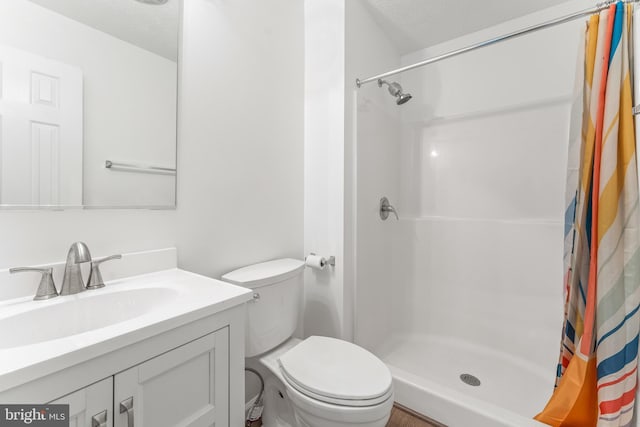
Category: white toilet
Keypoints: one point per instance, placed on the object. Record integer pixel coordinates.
(328, 382)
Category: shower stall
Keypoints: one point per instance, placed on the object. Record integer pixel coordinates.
(462, 295)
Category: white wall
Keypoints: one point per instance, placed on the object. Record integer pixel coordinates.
(43, 237)
(240, 156)
(340, 37)
(129, 102)
(324, 163)
(241, 180)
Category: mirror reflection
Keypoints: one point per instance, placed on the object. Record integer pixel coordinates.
(88, 95)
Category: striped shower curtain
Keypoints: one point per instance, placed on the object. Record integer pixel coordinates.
(597, 372)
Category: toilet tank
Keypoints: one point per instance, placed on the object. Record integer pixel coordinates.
(272, 315)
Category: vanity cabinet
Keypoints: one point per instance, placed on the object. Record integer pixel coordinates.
(91, 406)
(187, 387)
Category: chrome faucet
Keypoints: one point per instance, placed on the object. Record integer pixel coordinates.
(72, 283)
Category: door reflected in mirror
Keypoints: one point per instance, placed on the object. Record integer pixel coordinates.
(88, 103)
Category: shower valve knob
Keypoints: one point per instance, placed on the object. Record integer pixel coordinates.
(385, 208)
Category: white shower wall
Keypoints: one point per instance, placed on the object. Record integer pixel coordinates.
(481, 238)
(475, 164)
(379, 139)
(375, 150)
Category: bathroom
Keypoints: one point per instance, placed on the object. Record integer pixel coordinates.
(221, 134)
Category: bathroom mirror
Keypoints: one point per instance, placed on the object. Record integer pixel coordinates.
(88, 103)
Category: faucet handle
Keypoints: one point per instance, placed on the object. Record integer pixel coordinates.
(95, 277)
(47, 287)
(385, 208)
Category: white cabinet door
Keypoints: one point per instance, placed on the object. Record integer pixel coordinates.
(40, 130)
(90, 406)
(185, 387)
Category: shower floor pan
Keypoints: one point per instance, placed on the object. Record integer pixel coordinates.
(461, 384)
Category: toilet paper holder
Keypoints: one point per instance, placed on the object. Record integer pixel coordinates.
(330, 261)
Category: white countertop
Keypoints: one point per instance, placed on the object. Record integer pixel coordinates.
(185, 297)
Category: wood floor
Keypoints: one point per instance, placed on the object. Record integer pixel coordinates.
(401, 417)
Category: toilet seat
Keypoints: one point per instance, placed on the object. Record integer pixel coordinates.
(336, 372)
(340, 402)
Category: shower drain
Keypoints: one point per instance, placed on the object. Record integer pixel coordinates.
(469, 379)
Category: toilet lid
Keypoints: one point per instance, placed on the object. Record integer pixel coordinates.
(337, 370)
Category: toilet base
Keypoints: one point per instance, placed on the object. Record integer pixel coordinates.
(286, 407)
(311, 413)
(309, 420)
(278, 411)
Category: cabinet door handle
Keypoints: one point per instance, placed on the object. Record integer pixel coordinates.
(127, 406)
(99, 420)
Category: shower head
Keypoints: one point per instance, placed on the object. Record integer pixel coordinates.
(396, 90)
(403, 97)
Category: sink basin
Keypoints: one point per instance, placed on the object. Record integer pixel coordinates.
(88, 311)
(39, 338)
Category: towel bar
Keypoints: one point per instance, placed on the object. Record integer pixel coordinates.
(142, 168)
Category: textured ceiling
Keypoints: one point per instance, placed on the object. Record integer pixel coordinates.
(416, 24)
(154, 28)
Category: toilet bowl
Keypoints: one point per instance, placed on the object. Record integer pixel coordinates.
(328, 382)
(335, 383)
(312, 413)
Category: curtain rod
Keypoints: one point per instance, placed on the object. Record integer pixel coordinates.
(599, 7)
